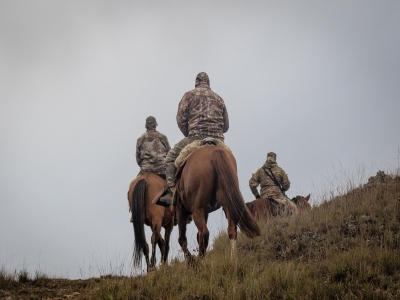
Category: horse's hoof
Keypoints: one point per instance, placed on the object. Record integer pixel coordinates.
(151, 269)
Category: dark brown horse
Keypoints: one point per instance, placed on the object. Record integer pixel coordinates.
(141, 193)
(209, 181)
(264, 209)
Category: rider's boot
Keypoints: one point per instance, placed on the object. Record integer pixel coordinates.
(166, 198)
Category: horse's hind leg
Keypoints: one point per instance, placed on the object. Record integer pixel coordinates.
(155, 239)
(182, 220)
(146, 252)
(203, 234)
(167, 236)
(232, 233)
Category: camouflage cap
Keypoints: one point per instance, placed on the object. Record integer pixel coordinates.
(202, 77)
(271, 156)
(151, 122)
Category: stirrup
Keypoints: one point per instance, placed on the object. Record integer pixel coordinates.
(166, 198)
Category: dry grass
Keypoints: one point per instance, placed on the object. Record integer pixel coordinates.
(345, 248)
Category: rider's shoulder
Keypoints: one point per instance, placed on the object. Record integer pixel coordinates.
(142, 136)
(161, 136)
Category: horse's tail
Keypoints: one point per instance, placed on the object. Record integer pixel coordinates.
(234, 202)
(138, 215)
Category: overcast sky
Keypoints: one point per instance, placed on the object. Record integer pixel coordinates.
(317, 82)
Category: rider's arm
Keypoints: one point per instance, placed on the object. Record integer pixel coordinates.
(285, 181)
(139, 159)
(182, 116)
(226, 120)
(166, 144)
(253, 183)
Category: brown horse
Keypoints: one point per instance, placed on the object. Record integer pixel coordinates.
(207, 182)
(142, 191)
(264, 209)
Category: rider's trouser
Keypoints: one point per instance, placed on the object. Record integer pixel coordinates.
(170, 168)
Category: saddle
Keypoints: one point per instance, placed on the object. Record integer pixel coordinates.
(189, 149)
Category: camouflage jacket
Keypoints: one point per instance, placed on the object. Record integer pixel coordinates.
(151, 150)
(267, 186)
(202, 112)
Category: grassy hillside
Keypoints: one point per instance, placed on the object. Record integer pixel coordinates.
(345, 248)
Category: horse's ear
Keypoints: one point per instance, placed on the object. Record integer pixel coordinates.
(308, 197)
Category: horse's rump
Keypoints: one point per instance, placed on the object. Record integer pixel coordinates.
(157, 188)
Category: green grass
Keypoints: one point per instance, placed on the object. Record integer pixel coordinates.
(348, 247)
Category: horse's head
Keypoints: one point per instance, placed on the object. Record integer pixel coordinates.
(302, 202)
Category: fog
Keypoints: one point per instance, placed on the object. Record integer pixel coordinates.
(315, 82)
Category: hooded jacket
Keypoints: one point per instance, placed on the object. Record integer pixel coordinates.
(151, 150)
(267, 186)
(201, 112)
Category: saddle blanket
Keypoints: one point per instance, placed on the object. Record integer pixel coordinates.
(189, 149)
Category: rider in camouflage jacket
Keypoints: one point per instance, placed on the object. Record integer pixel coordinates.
(201, 113)
(268, 186)
(151, 149)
